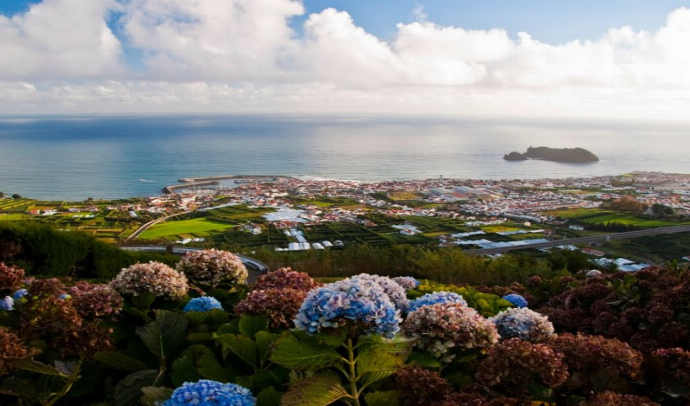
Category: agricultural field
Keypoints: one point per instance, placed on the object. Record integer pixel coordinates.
(627, 219)
(240, 214)
(199, 227)
(574, 213)
(404, 196)
(661, 247)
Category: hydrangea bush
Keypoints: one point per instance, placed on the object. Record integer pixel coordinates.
(212, 267)
(407, 282)
(280, 305)
(153, 277)
(435, 298)
(11, 347)
(95, 300)
(524, 324)
(19, 293)
(210, 393)
(445, 327)
(516, 299)
(7, 303)
(10, 277)
(202, 304)
(286, 278)
(354, 301)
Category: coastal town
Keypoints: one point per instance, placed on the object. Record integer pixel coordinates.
(290, 214)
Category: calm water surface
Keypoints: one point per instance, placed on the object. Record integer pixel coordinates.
(75, 158)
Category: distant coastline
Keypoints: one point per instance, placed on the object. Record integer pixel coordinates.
(570, 155)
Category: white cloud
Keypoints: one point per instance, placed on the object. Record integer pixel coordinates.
(60, 38)
(242, 55)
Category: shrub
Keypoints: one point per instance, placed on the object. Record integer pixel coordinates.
(421, 387)
(524, 324)
(153, 277)
(446, 327)
(615, 399)
(212, 267)
(95, 300)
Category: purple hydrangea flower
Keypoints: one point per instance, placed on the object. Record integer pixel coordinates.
(202, 304)
(407, 282)
(210, 393)
(516, 300)
(350, 300)
(395, 292)
(436, 298)
(524, 324)
(7, 303)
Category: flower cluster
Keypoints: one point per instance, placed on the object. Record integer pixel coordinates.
(516, 299)
(210, 393)
(674, 362)
(84, 340)
(7, 303)
(19, 293)
(280, 305)
(286, 278)
(95, 300)
(524, 324)
(407, 282)
(395, 292)
(474, 399)
(10, 277)
(520, 361)
(587, 354)
(212, 267)
(445, 326)
(11, 347)
(154, 277)
(353, 300)
(202, 304)
(421, 387)
(46, 287)
(615, 399)
(435, 298)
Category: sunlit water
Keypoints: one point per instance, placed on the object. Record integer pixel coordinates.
(137, 156)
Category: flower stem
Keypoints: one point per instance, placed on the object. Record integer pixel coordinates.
(353, 372)
(71, 379)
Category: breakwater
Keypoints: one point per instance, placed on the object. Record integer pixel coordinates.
(214, 180)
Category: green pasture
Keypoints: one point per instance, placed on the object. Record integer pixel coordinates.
(628, 219)
(574, 213)
(198, 226)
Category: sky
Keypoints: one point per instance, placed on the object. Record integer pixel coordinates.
(623, 59)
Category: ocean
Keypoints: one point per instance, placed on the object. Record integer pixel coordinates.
(72, 158)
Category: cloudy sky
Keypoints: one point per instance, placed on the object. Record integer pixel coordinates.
(522, 58)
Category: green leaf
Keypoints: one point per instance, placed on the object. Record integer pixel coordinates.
(199, 337)
(316, 391)
(268, 397)
(119, 361)
(264, 339)
(128, 391)
(144, 300)
(250, 325)
(374, 360)
(399, 346)
(424, 360)
(198, 361)
(184, 370)
(484, 305)
(293, 353)
(333, 338)
(165, 334)
(241, 346)
(196, 318)
(154, 394)
(229, 328)
(386, 398)
(35, 366)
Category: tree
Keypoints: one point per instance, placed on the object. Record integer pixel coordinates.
(16, 196)
(2, 195)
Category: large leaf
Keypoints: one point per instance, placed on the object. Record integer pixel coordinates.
(119, 361)
(35, 366)
(128, 391)
(250, 325)
(153, 394)
(424, 360)
(165, 334)
(208, 366)
(241, 346)
(264, 339)
(374, 360)
(316, 391)
(184, 370)
(293, 353)
(144, 300)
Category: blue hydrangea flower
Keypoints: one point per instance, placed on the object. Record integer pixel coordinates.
(19, 294)
(515, 299)
(7, 303)
(407, 282)
(395, 292)
(350, 300)
(202, 304)
(524, 324)
(210, 393)
(65, 296)
(435, 298)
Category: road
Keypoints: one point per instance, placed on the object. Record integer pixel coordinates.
(254, 267)
(584, 240)
(143, 228)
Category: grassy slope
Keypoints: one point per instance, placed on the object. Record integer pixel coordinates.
(198, 226)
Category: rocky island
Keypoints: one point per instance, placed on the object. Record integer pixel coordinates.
(578, 155)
